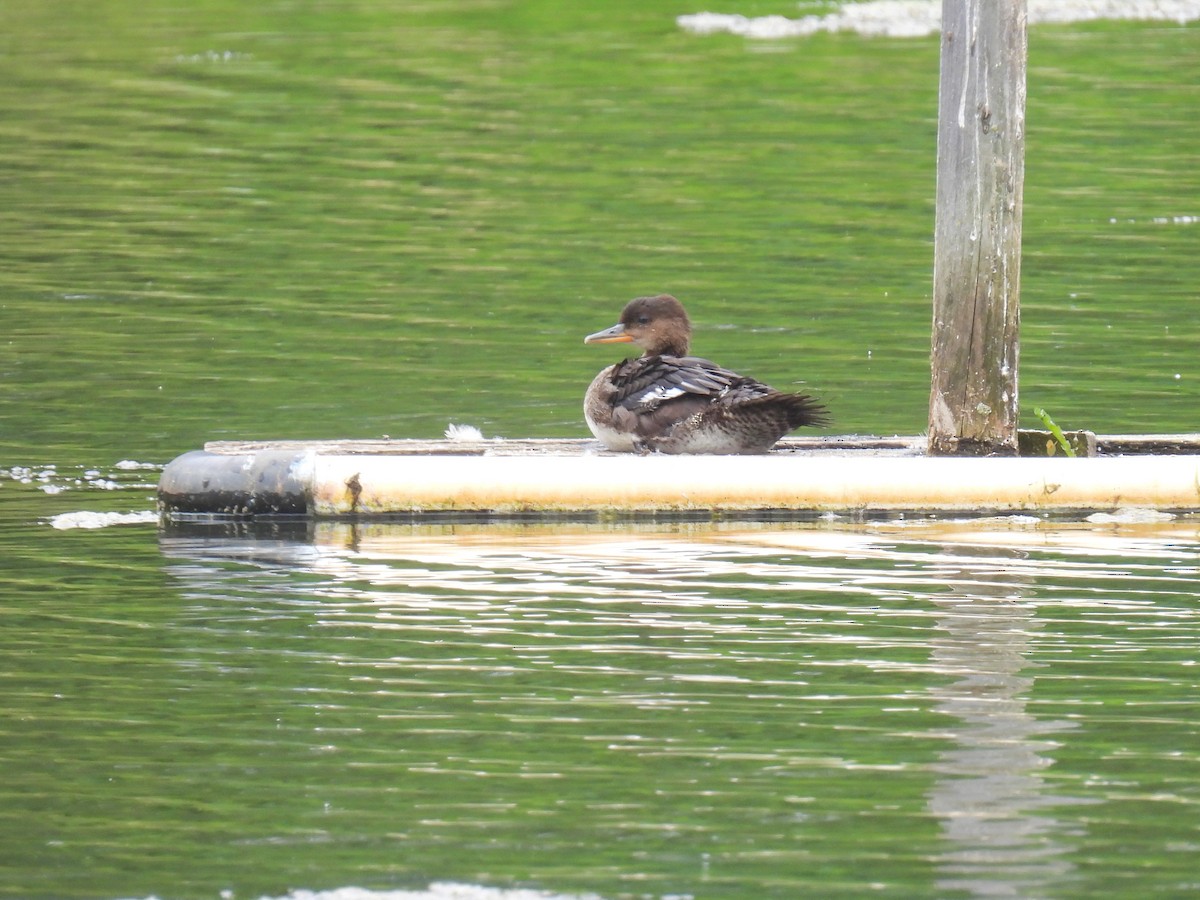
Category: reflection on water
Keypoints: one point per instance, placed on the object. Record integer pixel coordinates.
(995, 808)
(769, 702)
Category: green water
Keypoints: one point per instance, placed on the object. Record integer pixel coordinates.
(301, 219)
(899, 711)
(319, 220)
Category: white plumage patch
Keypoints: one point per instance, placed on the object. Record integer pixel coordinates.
(658, 394)
(621, 441)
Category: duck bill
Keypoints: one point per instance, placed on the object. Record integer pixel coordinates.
(614, 335)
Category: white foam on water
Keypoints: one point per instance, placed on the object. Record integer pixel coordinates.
(1130, 515)
(128, 464)
(1159, 220)
(435, 891)
(881, 18)
(1065, 11)
(51, 478)
(918, 18)
(440, 890)
(67, 521)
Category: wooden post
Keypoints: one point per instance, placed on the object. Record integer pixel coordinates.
(977, 241)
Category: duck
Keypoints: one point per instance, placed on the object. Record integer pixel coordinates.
(666, 401)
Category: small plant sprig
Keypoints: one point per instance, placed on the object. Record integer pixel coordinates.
(1054, 430)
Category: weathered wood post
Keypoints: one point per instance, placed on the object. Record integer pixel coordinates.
(977, 241)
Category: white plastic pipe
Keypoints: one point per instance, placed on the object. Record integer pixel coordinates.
(372, 485)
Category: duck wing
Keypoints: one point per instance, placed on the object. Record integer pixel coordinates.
(685, 404)
(651, 394)
(645, 384)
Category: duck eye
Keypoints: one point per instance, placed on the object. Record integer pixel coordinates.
(643, 320)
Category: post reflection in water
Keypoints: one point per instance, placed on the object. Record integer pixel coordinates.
(991, 798)
(815, 708)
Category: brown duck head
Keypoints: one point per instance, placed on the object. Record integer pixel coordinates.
(659, 325)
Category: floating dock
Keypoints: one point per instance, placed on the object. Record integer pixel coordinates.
(402, 479)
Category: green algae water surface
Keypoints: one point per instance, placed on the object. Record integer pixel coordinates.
(314, 220)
